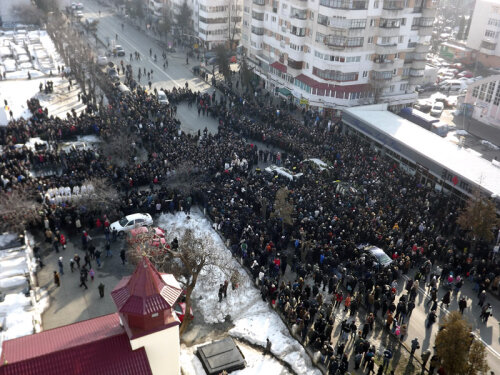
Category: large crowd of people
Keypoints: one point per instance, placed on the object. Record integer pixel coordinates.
(320, 242)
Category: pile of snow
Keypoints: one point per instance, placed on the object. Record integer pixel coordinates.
(256, 363)
(253, 319)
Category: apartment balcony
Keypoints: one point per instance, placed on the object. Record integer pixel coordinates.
(345, 4)
(388, 31)
(418, 64)
(259, 2)
(422, 47)
(381, 76)
(386, 49)
(382, 65)
(302, 4)
(392, 7)
(425, 30)
(429, 11)
(417, 80)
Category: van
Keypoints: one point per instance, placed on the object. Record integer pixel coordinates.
(453, 85)
(378, 256)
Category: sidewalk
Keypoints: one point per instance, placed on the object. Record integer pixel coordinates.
(69, 303)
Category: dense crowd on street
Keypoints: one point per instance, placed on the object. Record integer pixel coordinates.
(382, 206)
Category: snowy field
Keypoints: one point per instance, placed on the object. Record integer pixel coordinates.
(18, 315)
(253, 319)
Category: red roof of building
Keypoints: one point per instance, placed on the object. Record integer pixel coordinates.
(279, 66)
(97, 346)
(145, 292)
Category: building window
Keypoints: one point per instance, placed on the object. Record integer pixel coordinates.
(489, 94)
(335, 75)
(475, 92)
(401, 39)
(496, 101)
(375, 4)
(489, 34)
(322, 20)
(494, 22)
(482, 91)
(365, 74)
(370, 40)
(403, 86)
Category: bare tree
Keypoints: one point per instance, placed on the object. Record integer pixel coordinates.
(27, 13)
(194, 258)
(183, 18)
(223, 61)
(283, 207)
(479, 217)
(18, 208)
(118, 148)
(103, 196)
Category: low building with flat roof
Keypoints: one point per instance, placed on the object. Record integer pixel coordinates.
(447, 167)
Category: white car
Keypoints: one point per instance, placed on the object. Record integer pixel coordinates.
(437, 109)
(130, 222)
(162, 97)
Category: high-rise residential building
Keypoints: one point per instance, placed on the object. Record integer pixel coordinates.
(213, 21)
(484, 32)
(339, 53)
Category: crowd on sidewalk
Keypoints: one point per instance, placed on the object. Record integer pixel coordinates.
(384, 206)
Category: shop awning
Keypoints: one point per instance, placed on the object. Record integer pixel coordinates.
(284, 91)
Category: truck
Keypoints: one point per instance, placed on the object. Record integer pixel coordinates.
(417, 117)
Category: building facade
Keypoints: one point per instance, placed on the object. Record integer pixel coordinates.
(213, 21)
(484, 33)
(339, 53)
(482, 101)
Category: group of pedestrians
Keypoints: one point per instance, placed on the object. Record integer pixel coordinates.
(363, 197)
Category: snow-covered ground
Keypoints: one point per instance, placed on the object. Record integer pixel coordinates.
(20, 315)
(256, 363)
(253, 319)
(17, 88)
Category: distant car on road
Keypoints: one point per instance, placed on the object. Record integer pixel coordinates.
(119, 51)
(437, 109)
(130, 222)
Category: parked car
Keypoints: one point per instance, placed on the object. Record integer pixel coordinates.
(158, 238)
(437, 109)
(377, 255)
(102, 60)
(119, 51)
(180, 310)
(130, 222)
(162, 97)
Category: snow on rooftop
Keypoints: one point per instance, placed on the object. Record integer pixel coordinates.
(453, 157)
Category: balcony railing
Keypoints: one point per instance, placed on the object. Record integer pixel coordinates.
(393, 5)
(345, 4)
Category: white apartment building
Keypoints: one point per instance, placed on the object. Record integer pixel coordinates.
(484, 33)
(337, 53)
(214, 21)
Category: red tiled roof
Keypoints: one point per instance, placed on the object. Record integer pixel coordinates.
(97, 346)
(145, 292)
(279, 66)
(110, 356)
(77, 334)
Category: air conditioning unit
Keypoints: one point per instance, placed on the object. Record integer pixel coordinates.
(283, 28)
